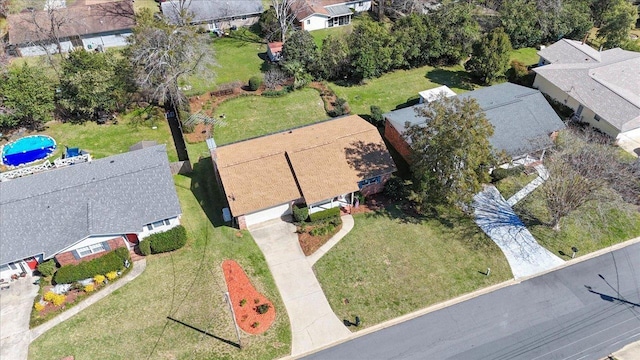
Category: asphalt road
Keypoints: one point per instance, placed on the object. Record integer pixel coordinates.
(584, 311)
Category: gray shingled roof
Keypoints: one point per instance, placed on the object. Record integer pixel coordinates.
(611, 87)
(50, 211)
(566, 51)
(522, 118)
(203, 11)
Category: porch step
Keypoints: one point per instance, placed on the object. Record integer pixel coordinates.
(135, 255)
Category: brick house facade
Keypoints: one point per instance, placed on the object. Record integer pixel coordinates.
(72, 257)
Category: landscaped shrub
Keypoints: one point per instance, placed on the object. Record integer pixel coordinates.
(396, 188)
(168, 240)
(145, 247)
(340, 107)
(500, 173)
(112, 261)
(48, 296)
(277, 93)
(325, 214)
(111, 275)
(254, 83)
(300, 214)
(58, 299)
(99, 279)
(47, 268)
(262, 308)
(243, 302)
(38, 306)
(89, 288)
(376, 116)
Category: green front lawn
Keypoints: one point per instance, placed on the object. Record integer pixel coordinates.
(401, 87)
(528, 56)
(391, 264)
(593, 226)
(251, 116)
(186, 285)
(509, 186)
(320, 35)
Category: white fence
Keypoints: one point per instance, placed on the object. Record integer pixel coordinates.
(44, 166)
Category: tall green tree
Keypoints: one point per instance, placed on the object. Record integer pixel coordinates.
(334, 58)
(458, 30)
(519, 18)
(370, 44)
(490, 58)
(451, 152)
(617, 21)
(410, 50)
(26, 97)
(301, 48)
(94, 82)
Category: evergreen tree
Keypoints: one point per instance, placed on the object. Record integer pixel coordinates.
(370, 44)
(451, 152)
(617, 21)
(301, 48)
(519, 19)
(334, 58)
(26, 97)
(490, 58)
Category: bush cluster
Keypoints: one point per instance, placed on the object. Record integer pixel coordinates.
(254, 83)
(47, 268)
(300, 214)
(262, 308)
(277, 93)
(325, 227)
(376, 116)
(89, 288)
(325, 214)
(112, 261)
(38, 306)
(340, 107)
(500, 173)
(145, 247)
(99, 279)
(111, 275)
(169, 240)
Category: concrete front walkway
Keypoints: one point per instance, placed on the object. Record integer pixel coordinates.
(15, 311)
(313, 323)
(138, 268)
(543, 175)
(347, 225)
(497, 219)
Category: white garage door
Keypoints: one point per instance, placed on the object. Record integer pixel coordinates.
(267, 214)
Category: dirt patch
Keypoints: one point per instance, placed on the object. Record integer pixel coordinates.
(246, 300)
(310, 243)
(200, 133)
(373, 203)
(328, 96)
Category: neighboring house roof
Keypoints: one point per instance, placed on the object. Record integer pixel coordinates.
(522, 118)
(202, 11)
(435, 93)
(328, 8)
(78, 20)
(275, 47)
(609, 87)
(567, 51)
(315, 162)
(50, 211)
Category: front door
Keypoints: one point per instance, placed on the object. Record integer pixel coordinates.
(579, 111)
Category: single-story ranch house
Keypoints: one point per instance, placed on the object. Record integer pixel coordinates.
(522, 118)
(602, 87)
(77, 212)
(320, 165)
(215, 14)
(321, 14)
(93, 27)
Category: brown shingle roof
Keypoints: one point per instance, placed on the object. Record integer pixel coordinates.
(78, 20)
(327, 159)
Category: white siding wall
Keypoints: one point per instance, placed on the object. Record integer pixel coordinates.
(107, 41)
(19, 265)
(360, 6)
(267, 214)
(315, 22)
(38, 50)
(92, 240)
(173, 222)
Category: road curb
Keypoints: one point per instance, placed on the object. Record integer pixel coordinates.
(466, 297)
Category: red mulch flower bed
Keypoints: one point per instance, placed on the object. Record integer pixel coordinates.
(246, 299)
(310, 243)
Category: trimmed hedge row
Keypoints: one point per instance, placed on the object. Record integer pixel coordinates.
(169, 240)
(300, 214)
(325, 214)
(112, 261)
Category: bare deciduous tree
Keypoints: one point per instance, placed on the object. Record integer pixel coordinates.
(274, 78)
(286, 11)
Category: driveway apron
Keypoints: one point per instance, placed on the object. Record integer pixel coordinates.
(15, 310)
(497, 219)
(313, 322)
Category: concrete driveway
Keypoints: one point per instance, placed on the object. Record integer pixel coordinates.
(313, 323)
(496, 218)
(15, 310)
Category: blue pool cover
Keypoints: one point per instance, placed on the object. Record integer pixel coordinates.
(27, 149)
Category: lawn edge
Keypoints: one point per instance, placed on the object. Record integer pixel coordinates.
(467, 296)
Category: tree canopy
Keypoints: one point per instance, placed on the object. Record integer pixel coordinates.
(301, 48)
(27, 97)
(451, 152)
(490, 58)
(617, 21)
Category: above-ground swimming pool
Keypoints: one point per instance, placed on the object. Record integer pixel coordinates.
(27, 149)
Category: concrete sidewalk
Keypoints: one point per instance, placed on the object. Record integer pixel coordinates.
(629, 352)
(347, 225)
(138, 268)
(313, 323)
(543, 175)
(496, 218)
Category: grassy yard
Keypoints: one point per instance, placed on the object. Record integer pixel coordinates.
(401, 87)
(320, 35)
(528, 56)
(105, 140)
(593, 226)
(390, 265)
(251, 116)
(153, 5)
(239, 57)
(186, 285)
(512, 184)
